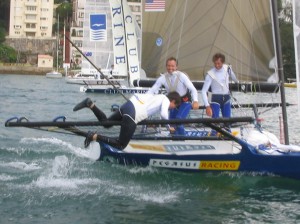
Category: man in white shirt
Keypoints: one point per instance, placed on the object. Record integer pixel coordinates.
(218, 79)
(136, 109)
(174, 80)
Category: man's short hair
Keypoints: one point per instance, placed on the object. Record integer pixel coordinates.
(174, 96)
(218, 56)
(172, 59)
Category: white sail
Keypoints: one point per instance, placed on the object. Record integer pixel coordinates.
(97, 36)
(296, 26)
(119, 38)
(131, 43)
(194, 30)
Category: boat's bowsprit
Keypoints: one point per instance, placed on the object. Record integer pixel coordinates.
(16, 122)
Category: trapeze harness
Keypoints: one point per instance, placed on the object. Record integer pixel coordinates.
(173, 88)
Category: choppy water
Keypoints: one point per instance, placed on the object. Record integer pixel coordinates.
(47, 178)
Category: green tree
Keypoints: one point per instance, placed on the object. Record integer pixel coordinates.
(7, 54)
(64, 10)
(2, 34)
(60, 1)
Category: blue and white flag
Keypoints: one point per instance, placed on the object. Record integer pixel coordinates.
(98, 31)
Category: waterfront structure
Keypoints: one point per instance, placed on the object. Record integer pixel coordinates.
(45, 61)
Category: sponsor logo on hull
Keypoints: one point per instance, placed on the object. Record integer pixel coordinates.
(184, 164)
(195, 165)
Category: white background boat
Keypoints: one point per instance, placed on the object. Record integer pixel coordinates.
(92, 77)
(54, 74)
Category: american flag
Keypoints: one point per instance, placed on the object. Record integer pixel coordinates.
(155, 5)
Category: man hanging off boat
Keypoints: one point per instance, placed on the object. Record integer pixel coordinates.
(175, 80)
(218, 79)
(136, 109)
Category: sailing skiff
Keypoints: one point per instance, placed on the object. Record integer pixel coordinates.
(247, 150)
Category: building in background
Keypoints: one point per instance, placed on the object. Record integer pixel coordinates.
(30, 29)
(45, 61)
(31, 18)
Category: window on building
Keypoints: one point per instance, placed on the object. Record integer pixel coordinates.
(30, 25)
(30, 17)
(31, 8)
(30, 34)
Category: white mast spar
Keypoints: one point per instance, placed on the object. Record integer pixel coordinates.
(296, 27)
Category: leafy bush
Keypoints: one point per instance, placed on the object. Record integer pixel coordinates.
(7, 54)
(2, 34)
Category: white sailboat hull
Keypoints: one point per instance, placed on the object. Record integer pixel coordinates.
(54, 75)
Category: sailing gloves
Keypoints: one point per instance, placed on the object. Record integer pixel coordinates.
(89, 138)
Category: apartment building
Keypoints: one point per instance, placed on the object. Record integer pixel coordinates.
(31, 18)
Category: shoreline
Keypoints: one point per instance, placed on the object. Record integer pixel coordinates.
(23, 70)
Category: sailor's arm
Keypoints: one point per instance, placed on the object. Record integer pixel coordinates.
(232, 75)
(157, 85)
(204, 91)
(164, 113)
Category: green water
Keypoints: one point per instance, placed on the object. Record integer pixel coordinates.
(46, 177)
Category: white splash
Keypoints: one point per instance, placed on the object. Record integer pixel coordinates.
(143, 193)
(4, 177)
(60, 166)
(22, 166)
(66, 146)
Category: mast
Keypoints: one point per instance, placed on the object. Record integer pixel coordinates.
(64, 48)
(296, 28)
(280, 68)
(57, 43)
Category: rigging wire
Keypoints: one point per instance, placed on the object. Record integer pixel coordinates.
(99, 70)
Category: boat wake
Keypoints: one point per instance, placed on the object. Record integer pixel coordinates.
(62, 145)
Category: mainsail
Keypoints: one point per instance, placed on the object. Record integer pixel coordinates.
(97, 35)
(109, 38)
(194, 30)
(125, 41)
